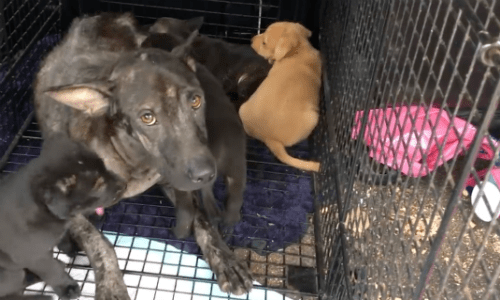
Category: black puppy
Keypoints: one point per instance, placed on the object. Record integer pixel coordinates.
(226, 141)
(36, 205)
(240, 69)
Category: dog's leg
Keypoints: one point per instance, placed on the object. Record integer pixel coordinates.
(102, 257)
(184, 211)
(184, 214)
(210, 205)
(233, 275)
(52, 272)
(235, 188)
(68, 245)
(11, 282)
(236, 178)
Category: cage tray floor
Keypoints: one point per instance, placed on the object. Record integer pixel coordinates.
(275, 232)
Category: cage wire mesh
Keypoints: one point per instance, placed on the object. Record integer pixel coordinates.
(27, 30)
(411, 98)
(235, 21)
(276, 234)
(393, 219)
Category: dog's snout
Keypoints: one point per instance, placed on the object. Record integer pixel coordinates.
(201, 171)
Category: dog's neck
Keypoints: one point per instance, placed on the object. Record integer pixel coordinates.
(138, 180)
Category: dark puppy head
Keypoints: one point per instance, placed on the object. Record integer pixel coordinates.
(156, 105)
(163, 41)
(70, 179)
(240, 69)
(107, 31)
(179, 28)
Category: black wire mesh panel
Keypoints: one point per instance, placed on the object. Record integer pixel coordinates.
(27, 31)
(235, 21)
(411, 98)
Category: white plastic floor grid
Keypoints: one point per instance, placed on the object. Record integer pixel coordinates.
(153, 271)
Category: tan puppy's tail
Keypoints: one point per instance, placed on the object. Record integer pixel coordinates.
(279, 150)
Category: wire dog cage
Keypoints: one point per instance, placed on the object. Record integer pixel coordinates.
(410, 92)
(407, 139)
(275, 235)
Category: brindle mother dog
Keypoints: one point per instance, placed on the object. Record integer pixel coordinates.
(140, 111)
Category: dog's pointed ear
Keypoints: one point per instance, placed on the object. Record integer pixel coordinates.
(284, 45)
(303, 31)
(195, 23)
(55, 196)
(52, 197)
(92, 98)
(56, 205)
(182, 51)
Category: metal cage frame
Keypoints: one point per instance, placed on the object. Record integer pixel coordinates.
(378, 231)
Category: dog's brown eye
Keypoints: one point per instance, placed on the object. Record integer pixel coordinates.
(148, 119)
(196, 102)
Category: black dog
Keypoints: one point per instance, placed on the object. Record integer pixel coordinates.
(36, 205)
(226, 140)
(240, 69)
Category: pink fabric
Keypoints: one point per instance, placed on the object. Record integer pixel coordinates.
(495, 172)
(391, 130)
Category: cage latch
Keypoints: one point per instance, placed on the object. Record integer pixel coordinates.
(490, 52)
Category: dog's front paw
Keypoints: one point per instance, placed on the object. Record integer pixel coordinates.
(233, 275)
(69, 291)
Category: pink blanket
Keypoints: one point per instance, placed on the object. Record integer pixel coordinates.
(391, 133)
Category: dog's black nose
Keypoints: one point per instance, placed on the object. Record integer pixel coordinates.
(202, 171)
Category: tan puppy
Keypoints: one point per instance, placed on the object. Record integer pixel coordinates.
(284, 109)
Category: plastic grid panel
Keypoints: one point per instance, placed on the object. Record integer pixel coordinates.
(417, 237)
(141, 255)
(158, 281)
